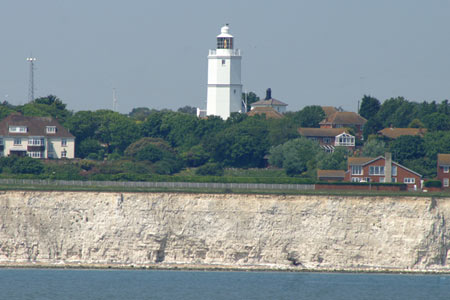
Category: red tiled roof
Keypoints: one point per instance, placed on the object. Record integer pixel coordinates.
(330, 173)
(344, 118)
(269, 112)
(329, 110)
(443, 159)
(269, 102)
(326, 132)
(394, 133)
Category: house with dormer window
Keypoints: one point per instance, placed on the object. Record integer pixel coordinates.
(37, 137)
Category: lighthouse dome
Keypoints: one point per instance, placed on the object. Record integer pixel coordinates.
(224, 32)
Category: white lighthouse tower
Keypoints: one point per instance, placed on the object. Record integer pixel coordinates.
(224, 77)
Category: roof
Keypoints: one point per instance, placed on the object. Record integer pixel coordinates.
(344, 118)
(268, 111)
(363, 161)
(443, 159)
(270, 102)
(394, 133)
(321, 131)
(36, 126)
(330, 173)
(329, 110)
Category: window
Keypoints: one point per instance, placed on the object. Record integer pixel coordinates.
(445, 182)
(63, 154)
(1, 141)
(394, 170)
(17, 129)
(51, 129)
(35, 154)
(344, 139)
(357, 170)
(327, 140)
(63, 143)
(382, 179)
(356, 179)
(223, 62)
(35, 142)
(17, 141)
(376, 170)
(446, 169)
(312, 138)
(394, 179)
(409, 180)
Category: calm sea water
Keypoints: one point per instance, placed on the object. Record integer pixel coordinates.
(119, 284)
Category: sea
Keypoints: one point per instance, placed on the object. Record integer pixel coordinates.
(61, 284)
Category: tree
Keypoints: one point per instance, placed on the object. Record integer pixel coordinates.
(115, 130)
(333, 161)
(374, 148)
(50, 106)
(251, 98)
(437, 121)
(140, 113)
(295, 155)
(190, 110)
(407, 147)
(369, 107)
(309, 116)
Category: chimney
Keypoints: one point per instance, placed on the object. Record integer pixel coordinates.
(268, 94)
(388, 167)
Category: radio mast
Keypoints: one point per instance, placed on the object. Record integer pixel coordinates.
(31, 83)
(114, 103)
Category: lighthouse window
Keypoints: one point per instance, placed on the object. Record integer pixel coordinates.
(234, 91)
(223, 62)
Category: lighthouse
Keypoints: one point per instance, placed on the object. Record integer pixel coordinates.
(224, 77)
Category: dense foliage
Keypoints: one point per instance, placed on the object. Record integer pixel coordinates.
(148, 142)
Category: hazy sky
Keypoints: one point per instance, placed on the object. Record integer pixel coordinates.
(154, 53)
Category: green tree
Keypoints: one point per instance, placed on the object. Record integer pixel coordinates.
(374, 148)
(140, 113)
(437, 121)
(251, 98)
(407, 147)
(190, 110)
(369, 107)
(309, 116)
(295, 155)
(333, 161)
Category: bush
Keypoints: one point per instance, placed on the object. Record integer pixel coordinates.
(433, 183)
(23, 165)
(211, 169)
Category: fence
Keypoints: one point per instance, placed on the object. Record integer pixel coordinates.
(143, 184)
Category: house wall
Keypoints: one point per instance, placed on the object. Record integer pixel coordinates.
(52, 145)
(441, 175)
(401, 174)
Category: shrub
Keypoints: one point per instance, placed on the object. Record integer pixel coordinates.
(433, 183)
(211, 169)
(26, 165)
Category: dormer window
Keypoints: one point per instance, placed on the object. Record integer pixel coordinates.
(51, 129)
(18, 129)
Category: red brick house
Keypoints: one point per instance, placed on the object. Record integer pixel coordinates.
(329, 138)
(342, 119)
(443, 166)
(381, 169)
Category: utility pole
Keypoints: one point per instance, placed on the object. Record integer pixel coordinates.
(31, 83)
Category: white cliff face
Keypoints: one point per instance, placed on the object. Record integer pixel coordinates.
(312, 232)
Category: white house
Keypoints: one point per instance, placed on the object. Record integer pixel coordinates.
(277, 105)
(37, 137)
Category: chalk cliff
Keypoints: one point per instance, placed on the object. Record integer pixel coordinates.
(273, 231)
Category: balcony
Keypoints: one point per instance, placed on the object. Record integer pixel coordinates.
(35, 148)
(224, 52)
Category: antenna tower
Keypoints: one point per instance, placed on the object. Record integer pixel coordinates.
(114, 104)
(31, 84)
